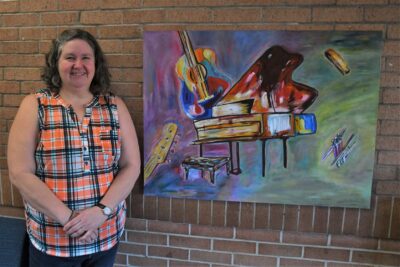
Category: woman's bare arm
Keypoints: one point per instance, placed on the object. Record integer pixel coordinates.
(22, 143)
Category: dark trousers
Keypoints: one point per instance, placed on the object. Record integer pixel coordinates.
(99, 259)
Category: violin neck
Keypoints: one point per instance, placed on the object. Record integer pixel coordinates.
(198, 76)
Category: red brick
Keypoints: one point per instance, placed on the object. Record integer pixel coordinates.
(9, 60)
(132, 46)
(213, 257)
(111, 4)
(136, 224)
(382, 14)
(335, 14)
(37, 5)
(392, 64)
(125, 60)
(326, 254)
(28, 87)
(8, 112)
(247, 215)
(16, 20)
(321, 220)
(134, 249)
(209, 231)
(188, 15)
(7, 87)
(390, 245)
(38, 33)
(385, 172)
(258, 235)
(137, 206)
(250, 260)
(261, 216)
(146, 261)
(305, 238)
(360, 27)
(234, 246)
(350, 225)
(286, 14)
(280, 250)
(349, 241)
(388, 187)
(218, 213)
(79, 5)
(64, 18)
(6, 190)
(147, 238)
(164, 209)
(389, 112)
(121, 259)
(8, 34)
(191, 211)
(389, 79)
(110, 46)
(168, 252)
(229, 15)
(177, 210)
(389, 157)
(376, 258)
(276, 217)
(150, 207)
(291, 218)
(300, 263)
(361, 2)
(367, 220)
(190, 242)
(101, 17)
(382, 222)
(391, 48)
(205, 212)
(335, 220)
(168, 227)
(19, 47)
(126, 74)
(391, 96)
(9, 6)
(306, 218)
(186, 264)
(12, 100)
(232, 214)
(119, 31)
(393, 31)
(143, 16)
(395, 229)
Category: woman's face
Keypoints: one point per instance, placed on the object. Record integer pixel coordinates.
(76, 65)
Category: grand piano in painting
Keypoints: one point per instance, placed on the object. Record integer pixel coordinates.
(264, 104)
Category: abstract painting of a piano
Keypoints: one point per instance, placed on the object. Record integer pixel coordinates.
(260, 116)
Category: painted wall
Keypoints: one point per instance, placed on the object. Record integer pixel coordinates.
(174, 232)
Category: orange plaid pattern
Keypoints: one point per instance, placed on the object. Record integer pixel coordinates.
(78, 161)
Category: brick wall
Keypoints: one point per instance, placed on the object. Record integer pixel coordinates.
(173, 232)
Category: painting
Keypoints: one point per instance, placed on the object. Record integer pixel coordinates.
(286, 117)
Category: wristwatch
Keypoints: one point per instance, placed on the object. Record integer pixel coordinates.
(106, 210)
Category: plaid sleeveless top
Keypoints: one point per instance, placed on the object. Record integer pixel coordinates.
(78, 162)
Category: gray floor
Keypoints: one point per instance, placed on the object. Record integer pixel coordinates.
(12, 234)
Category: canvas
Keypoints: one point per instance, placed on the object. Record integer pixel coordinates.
(283, 117)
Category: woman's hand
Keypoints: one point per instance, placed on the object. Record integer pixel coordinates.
(89, 237)
(87, 220)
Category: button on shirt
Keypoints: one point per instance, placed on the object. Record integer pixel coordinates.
(78, 162)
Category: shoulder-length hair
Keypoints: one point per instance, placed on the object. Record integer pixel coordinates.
(101, 80)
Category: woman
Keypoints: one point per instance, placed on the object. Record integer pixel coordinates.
(73, 155)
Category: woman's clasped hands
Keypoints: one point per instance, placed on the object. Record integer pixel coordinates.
(84, 224)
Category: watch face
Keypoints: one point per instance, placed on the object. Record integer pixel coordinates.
(107, 211)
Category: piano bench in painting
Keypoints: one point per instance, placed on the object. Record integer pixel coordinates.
(210, 164)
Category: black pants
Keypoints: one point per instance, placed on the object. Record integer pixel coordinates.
(99, 259)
